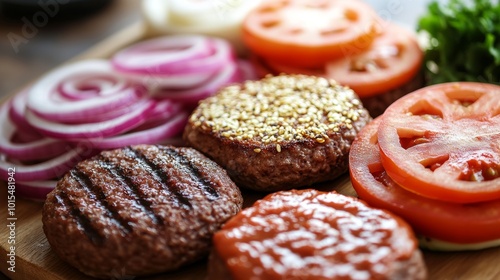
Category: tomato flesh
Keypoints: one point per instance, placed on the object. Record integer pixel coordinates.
(392, 60)
(452, 222)
(308, 33)
(443, 142)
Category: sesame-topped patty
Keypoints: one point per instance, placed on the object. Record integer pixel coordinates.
(280, 132)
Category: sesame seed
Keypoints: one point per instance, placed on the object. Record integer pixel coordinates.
(257, 150)
(279, 108)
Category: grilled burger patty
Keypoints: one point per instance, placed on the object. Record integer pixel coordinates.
(278, 133)
(138, 210)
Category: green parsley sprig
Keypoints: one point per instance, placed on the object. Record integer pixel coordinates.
(464, 43)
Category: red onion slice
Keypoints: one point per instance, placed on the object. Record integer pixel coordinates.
(35, 190)
(230, 74)
(23, 136)
(136, 115)
(39, 149)
(165, 109)
(219, 53)
(156, 54)
(155, 134)
(223, 53)
(90, 86)
(155, 81)
(17, 109)
(45, 100)
(46, 170)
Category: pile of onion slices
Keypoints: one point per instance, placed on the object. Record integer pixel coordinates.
(142, 95)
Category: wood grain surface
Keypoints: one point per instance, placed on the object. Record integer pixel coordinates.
(35, 260)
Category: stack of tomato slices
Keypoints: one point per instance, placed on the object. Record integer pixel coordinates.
(433, 158)
(343, 40)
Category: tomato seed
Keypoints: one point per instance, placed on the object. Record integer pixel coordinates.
(491, 173)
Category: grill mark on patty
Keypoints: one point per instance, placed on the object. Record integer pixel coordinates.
(81, 220)
(96, 193)
(206, 185)
(159, 175)
(131, 187)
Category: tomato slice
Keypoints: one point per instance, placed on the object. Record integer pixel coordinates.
(452, 222)
(393, 59)
(443, 142)
(308, 33)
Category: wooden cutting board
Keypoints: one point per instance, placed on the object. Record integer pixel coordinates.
(35, 260)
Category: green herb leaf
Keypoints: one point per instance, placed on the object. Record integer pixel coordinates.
(465, 41)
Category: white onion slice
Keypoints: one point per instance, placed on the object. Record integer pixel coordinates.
(213, 12)
(156, 13)
(46, 101)
(196, 12)
(46, 170)
(135, 116)
(230, 74)
(220, 18)
(35, 190)
(35, 150)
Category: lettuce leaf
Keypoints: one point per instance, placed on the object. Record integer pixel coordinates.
(464, 43)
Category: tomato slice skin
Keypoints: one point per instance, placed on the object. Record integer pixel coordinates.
(307, 33)
(392, 60)
(452, 222)
(432, 138)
